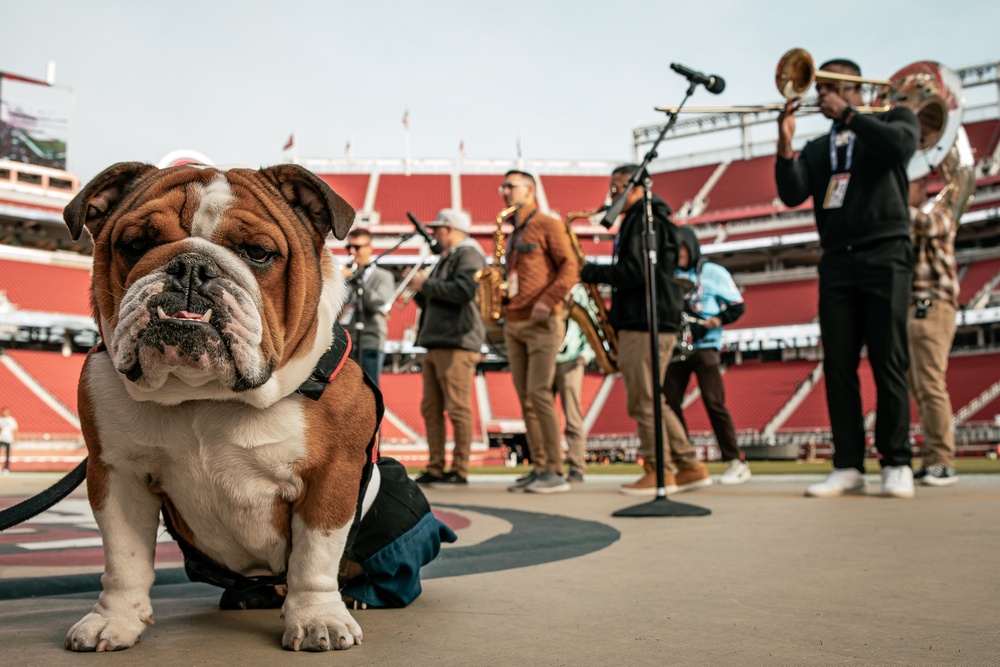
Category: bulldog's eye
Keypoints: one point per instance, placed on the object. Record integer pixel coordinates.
(257, 254)
(134, 249)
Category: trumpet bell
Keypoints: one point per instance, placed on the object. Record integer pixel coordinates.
(934, 94)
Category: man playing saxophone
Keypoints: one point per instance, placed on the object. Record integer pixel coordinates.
(541, 270)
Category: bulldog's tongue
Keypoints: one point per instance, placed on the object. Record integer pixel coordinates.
(185, 315)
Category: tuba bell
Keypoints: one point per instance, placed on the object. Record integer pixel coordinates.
(593, 318)
(934, 94)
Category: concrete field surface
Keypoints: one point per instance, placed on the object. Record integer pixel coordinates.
(768, 578)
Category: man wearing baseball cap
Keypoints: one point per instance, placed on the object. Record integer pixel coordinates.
(452, 331)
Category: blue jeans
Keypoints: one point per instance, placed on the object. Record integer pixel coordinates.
(371, 363)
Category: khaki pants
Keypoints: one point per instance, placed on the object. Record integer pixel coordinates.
(448, 377)
(635, 364)
(532, 348)
(930, 341)
(569, 384)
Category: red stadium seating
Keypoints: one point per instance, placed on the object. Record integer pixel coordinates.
(970, 375)
(35, 419)
(812, 415)
(30, 286)
(480, 196)
(567, 194)
(755, 392)
(58, 374)
(745, 183)
(773, 304)
(503, 395)
(681, 186)
(989, 413)
(422, 194)
(983, 135)
(977, 275)
(351, 187)
(401, 319)
(613, 420)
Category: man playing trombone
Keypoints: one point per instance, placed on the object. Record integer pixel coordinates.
(453, 333)
(856, 176)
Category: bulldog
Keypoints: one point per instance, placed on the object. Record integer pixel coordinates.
(217, 303)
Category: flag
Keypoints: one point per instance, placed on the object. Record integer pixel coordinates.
(406, 119)
(290, 142)
(347, 147)
(461, 148)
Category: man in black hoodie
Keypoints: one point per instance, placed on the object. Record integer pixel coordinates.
(856, 176)
(629, 317)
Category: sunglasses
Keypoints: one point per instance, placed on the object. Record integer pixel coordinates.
(353, 246)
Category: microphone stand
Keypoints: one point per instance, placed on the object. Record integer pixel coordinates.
(660, 506)
(356, 282)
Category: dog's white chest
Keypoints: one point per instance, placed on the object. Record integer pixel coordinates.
(224, 465)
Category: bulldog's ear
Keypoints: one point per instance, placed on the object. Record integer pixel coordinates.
(92, 205)
(326, 210)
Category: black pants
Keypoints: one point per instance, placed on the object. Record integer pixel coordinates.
(6, 457)
(863, 298)
(704, 363)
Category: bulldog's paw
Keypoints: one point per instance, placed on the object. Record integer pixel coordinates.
(97, 632)
(328, 627)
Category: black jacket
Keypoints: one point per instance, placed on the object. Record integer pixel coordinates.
(449, 317)
(626, 274)
(875, 206)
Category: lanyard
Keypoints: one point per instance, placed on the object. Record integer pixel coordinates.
(833, 150)
(515, 240)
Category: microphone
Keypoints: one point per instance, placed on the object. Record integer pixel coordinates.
(713, 83)
(424, 232)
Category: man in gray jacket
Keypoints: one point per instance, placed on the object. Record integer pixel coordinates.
(371, 288)
(453, 333)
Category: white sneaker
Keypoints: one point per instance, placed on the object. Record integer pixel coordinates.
(738, 472)
(838, 483)
(897, 481)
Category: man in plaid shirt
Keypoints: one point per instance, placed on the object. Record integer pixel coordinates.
(931, 325)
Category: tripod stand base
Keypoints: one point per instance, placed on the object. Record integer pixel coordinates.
(661, 507)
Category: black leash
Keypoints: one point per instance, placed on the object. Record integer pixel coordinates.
(35, 505)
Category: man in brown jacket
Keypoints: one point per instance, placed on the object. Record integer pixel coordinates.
(541, 270)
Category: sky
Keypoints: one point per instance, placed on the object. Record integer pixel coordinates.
(568, 80)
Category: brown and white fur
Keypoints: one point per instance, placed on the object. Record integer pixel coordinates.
(215, 297)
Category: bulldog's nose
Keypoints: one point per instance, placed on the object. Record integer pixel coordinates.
(192, 271)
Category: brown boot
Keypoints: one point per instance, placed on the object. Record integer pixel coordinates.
(694, 477)
(646, 485)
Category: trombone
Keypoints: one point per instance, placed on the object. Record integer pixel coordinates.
(401, 290)
(795, 74)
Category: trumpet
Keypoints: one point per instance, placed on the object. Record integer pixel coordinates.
(795, 74)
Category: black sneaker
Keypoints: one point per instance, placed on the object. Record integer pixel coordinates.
(451, 479)
(428, 478)
(574, 476)
(937, 475)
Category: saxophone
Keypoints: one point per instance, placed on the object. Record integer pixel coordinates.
(492, 290)
(600, 334)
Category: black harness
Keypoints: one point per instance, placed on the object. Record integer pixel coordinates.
(200, 567)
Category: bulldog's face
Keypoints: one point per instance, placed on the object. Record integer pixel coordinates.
(210, 278)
